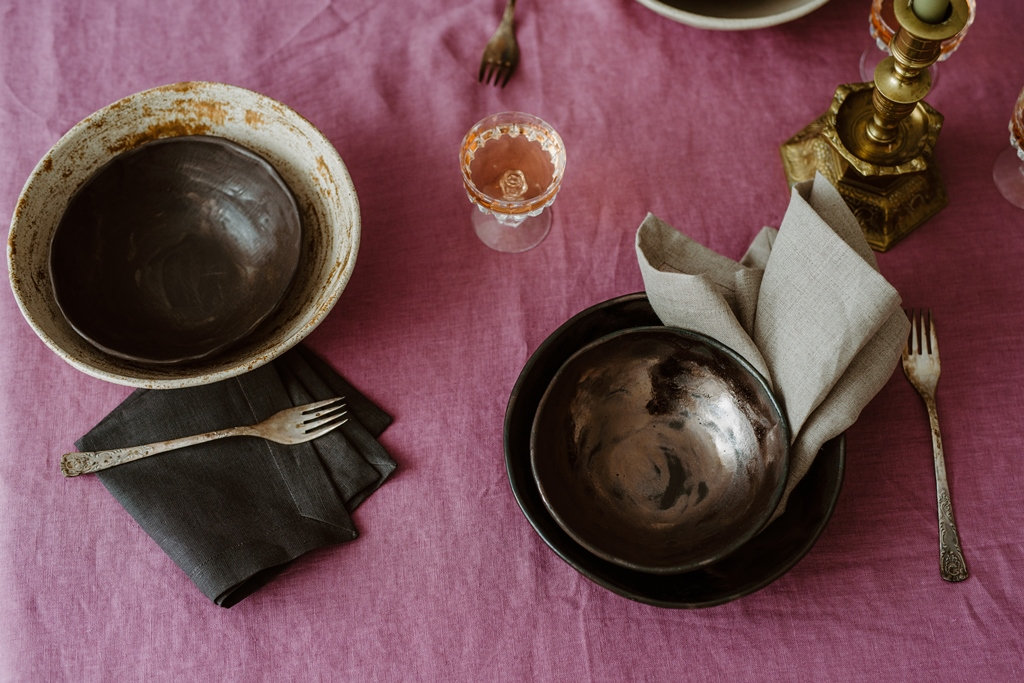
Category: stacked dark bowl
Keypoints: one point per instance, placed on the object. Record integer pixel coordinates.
(652, 459)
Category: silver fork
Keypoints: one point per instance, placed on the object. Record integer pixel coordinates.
(290, 426)
(501, 56)
(921, 365)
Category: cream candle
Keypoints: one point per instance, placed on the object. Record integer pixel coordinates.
(931, 11)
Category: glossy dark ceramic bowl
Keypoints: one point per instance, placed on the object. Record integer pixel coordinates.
(758, 563)
(176, 250)
(659, 449)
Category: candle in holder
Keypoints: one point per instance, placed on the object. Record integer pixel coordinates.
(876, 142)
(931, 11)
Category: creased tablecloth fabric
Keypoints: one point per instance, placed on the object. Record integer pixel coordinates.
(448, 580)
(806, 306)
(233, 512)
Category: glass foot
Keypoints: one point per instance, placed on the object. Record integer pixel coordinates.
(1008, 174)
(869, 60)
(508, 238)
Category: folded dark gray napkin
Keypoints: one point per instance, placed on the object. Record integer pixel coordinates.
(233, 513)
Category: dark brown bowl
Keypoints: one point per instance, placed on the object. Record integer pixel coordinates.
(659, 449)
(758, 563)
(176, 250)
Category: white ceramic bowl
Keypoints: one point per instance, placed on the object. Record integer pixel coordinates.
(733, 15)
(304, 158)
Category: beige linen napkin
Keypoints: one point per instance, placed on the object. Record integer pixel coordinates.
(806, 306)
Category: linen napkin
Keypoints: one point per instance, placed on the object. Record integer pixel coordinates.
(233, 513)
(806, 306)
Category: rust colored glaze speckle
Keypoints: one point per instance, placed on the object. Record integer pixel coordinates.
(184, 117)
(304, 158)
(184, 86)
(325, 171)
(157, 131)
(254, 118)
(204, 110)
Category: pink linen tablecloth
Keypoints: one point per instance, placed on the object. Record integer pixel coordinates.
(448, 581)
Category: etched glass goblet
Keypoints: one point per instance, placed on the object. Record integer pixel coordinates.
(1008, 172)
(882, 26)
(512, 166)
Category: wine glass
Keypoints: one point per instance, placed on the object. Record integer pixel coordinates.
(512, 165)
(882, 26)
(1008, 172)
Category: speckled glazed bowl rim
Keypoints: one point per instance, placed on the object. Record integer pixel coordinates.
(756, 523)
(301, 154)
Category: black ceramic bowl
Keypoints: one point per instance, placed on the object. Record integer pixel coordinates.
(759, 562)
(175, 250)
(659, 449)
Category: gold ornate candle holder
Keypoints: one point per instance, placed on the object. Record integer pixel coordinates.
(876, 142)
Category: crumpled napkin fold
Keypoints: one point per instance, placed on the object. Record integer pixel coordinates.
(233, 513)
(806, 306)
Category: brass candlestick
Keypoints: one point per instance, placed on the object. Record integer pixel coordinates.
(876, 142)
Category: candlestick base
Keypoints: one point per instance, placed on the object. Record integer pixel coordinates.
(876, 142)
(892, 189)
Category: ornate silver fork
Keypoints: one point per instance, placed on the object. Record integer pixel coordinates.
(290, 426)
(921, 365)
(501, 56)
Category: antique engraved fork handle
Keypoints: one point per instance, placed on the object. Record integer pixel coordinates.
(74, 464)
(951, 558)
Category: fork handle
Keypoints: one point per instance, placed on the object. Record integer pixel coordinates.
(74, 464)
(951, 558)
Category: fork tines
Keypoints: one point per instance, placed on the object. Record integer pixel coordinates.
(922, 333)
(325, 415)
(499, 72)
(501, 55)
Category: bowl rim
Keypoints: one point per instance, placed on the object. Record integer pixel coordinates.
(240, 110)
(759, 521)
(770, 16)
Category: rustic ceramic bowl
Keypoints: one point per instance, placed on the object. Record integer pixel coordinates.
(659, 449)
(281, 288)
